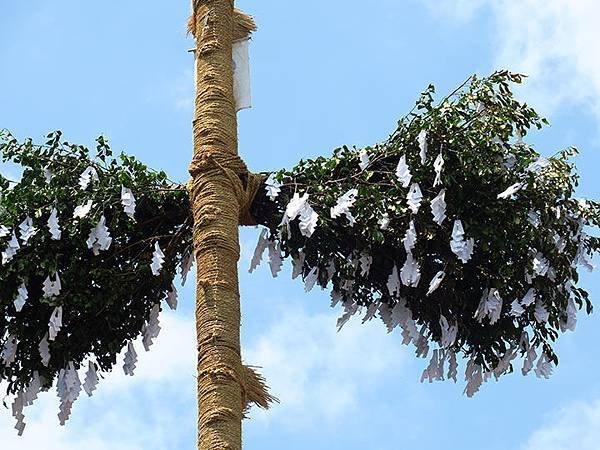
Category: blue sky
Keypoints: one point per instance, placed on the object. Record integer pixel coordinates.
(324, 74)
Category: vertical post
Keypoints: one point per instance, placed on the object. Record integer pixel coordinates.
(216, 218)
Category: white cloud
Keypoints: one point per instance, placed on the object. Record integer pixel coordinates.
(317, 373)
(576, 426)
(552, 41)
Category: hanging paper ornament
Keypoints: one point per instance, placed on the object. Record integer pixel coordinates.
(403, 172)
(158, 259)
(490, 306)
(91, 379)
(51, 287)
(128, 202)
(414, 198)
(27, 230)
(422, 140)
(311, 279)
(172, 297)
(275, 258)
(511, 190)
(449, 333)
(44, 349)
(11, 249)
(393, 283)
(384, 221)
(55, 323)
(4, 231)
(151, 328)
(459, 245)
(343, 205)
(83, 210)
(90, 174)
(21, 297)
(438, 207)
(410, 238)
(99, 238)
(363, 155)
(186, 265)
(68, 387)
(541, 313)
(130, 359)
(9, 352)
(298, 264)
(438, 165)
(436, 282)
(53, 225)
(365, 264)
(411, 272)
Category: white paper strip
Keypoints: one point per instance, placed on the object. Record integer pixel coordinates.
(241, 75)
(91, 379)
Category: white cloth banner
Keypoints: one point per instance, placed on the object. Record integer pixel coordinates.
(241, 75)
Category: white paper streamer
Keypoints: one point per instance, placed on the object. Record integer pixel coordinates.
(438, 165)
(298, 264)
(44, 349)
(459, 245)
(438, 207)
(343, 205)
(11, 249)
(68, 387)
(9, 352)
(51, 287)
(403, 172)
(363, 155)
(83, 210)
(449, 333)
(186, 265)
(27, 230)
(490, 306)
(414, 198)
(384, 221)
(128, 202)
(91, 379)
(365, 264)
(511, 190)
(422, 140)
(130, 359)
(151, 329)
(311, 279)
(55, 323)
(172, 297)
(410, 238)
(87, 177)
(436, 281)
(53, 225)
(158, 259)
(541, 313)
(21, 298)
(99, 238)
(275, 258)
(393, 283)
(411, 272)
(4, 231)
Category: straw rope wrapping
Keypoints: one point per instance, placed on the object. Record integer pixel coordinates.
(221, 191)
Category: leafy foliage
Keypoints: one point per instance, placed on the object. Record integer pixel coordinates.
(532, 238)
(106, 298)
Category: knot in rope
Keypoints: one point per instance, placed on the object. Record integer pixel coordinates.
(213, 163)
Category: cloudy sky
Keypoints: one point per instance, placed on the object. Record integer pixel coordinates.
(324, 74)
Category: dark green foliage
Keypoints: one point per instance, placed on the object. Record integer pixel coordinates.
(106, 299)
(478, 130)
